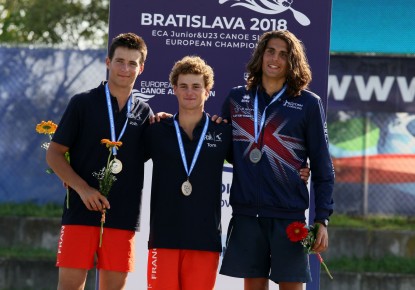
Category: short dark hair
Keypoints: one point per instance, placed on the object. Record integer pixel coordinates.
(299, 72)
(131, 41)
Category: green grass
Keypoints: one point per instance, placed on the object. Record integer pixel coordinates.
(385, 265)
(30, 209)
(26, 253)
(373, 222)
(337, 220)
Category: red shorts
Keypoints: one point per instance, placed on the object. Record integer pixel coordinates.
(176, 269)
(78, 245)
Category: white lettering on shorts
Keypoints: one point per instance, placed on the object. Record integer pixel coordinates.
(154, 264)
(61, 239)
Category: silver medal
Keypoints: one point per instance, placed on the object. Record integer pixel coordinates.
(255, 155)
(116, 166)
(186, 188)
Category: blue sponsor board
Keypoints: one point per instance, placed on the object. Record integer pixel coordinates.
(224, 33)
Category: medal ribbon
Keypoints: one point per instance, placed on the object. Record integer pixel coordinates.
(199, 145)
(111, 117)
(257, 132)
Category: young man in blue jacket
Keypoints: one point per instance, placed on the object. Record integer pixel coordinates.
(277, 126)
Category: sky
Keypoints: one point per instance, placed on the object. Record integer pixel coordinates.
(378, 26)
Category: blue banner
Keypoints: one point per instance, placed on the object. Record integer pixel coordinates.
(224, 33)
(372, 83)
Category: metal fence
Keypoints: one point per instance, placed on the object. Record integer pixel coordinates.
(373, 153)
(36, 85)
(374, 160)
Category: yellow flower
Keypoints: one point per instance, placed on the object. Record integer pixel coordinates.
(49, 128)
(110, 144)
(46, 127)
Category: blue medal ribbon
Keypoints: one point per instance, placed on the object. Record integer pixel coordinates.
(111, 117)
(258, 130)
(199, 145)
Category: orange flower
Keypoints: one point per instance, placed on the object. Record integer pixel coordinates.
(46, 127)
(297, 231)
(111, 144)
(106, 178)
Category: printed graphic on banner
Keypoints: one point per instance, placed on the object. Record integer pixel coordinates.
(170, 29)
(221, 39)
(374, 88)
(373, 153)
(271, 7)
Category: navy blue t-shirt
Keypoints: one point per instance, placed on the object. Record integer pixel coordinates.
(83, 125)
(187, 222)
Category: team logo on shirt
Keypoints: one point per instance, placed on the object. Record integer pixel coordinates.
(135, 114)
(213, 138)
(246, 99)
(293, 105)
(240, 111)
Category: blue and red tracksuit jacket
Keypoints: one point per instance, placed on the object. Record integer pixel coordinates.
(294, 133)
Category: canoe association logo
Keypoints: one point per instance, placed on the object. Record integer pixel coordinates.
(271, 7)
(141, 96)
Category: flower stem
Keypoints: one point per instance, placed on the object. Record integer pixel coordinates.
(102, 226)
(109, 158)
(324, 265)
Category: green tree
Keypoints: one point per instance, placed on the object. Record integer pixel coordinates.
(64, 23)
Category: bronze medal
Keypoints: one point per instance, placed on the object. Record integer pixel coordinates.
(186, 188)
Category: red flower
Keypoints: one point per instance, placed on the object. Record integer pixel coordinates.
(297, 231)
(300, 232)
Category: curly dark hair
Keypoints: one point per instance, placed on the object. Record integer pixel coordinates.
(131, 41)
(192, 65)
(299, 72)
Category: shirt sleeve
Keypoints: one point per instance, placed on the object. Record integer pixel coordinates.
(68, 127)
(226, 109)
(147, 143)
(321, 166)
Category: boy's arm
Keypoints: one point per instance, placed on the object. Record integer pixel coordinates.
(91, 197)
